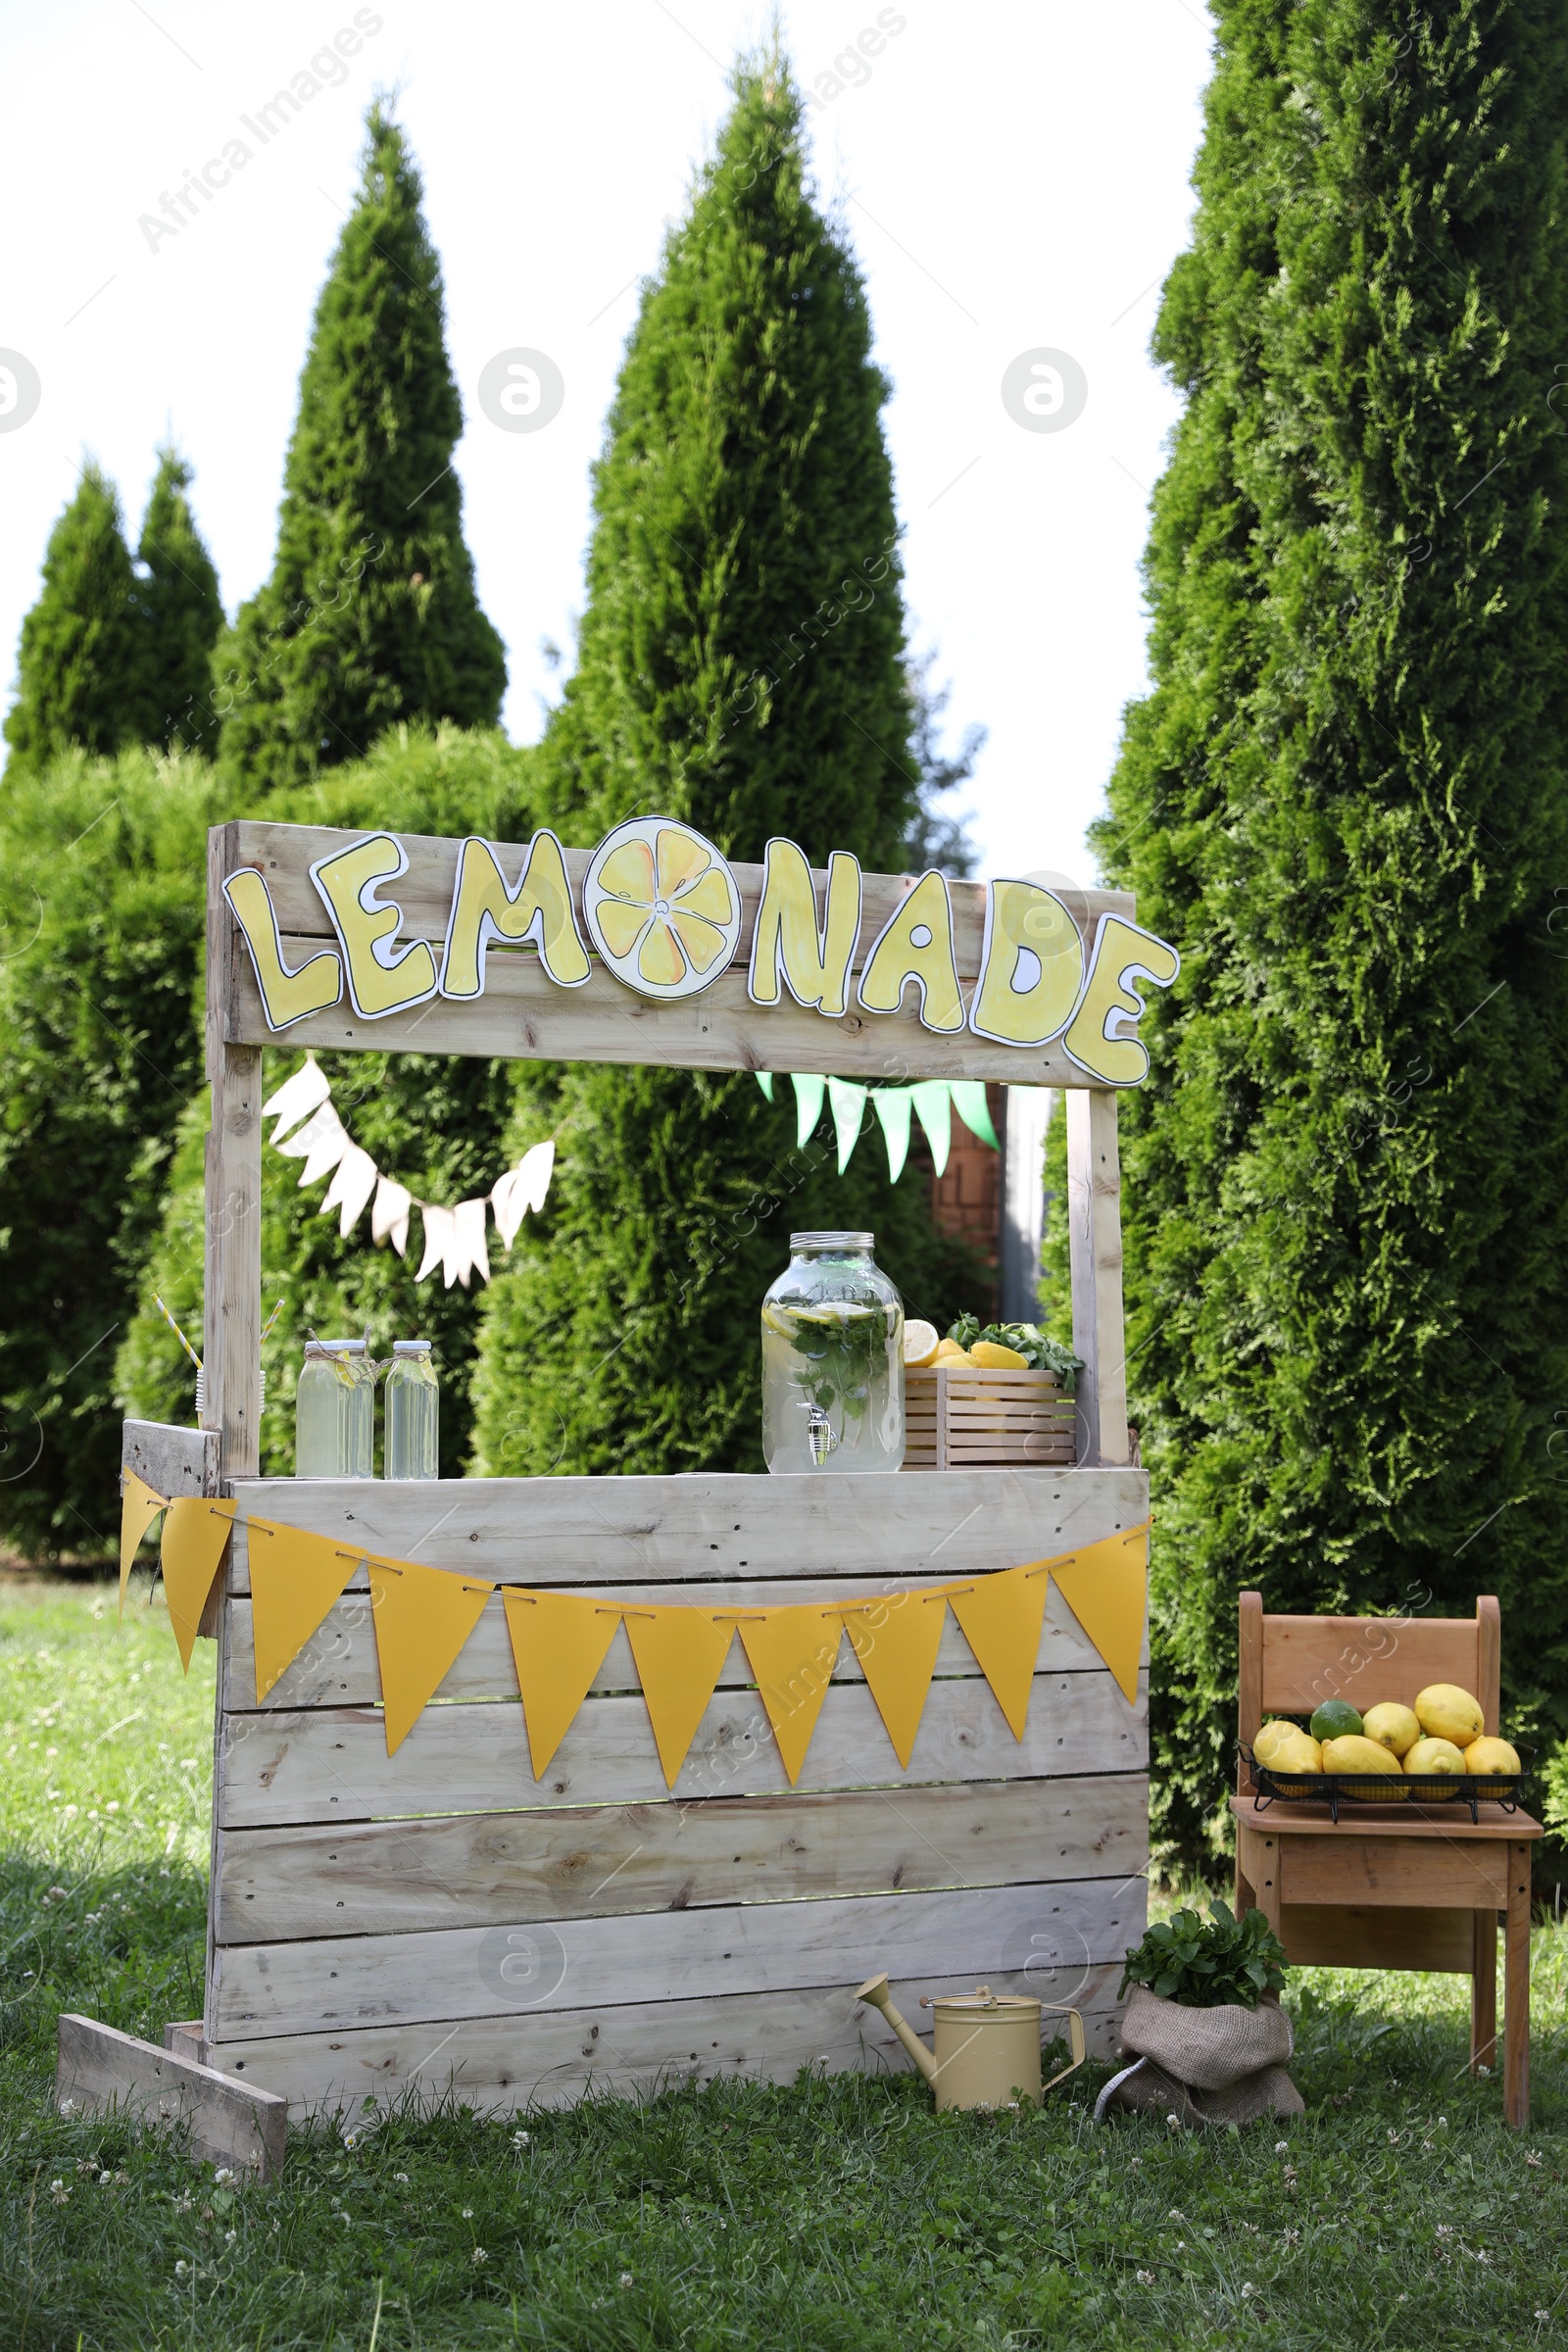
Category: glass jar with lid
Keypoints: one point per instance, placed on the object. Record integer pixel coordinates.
(833, 1359)
(412, 1411)
(335, 1411)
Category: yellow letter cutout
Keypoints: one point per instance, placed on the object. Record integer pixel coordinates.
(815, 965)
(1032, 967)
(483, 909)
(1102, 1036)
(349, 881)
(285, 996)
(916, 944)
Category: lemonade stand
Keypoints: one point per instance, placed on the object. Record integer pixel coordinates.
(527, 1785)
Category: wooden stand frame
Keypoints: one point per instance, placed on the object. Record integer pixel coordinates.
(439, 1920)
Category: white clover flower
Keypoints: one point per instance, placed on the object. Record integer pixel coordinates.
(478, 2255)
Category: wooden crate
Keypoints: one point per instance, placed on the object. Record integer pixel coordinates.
(957, 1419)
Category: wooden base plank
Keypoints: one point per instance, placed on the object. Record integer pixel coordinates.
(1366, 1935)
(1471, 1873)
(100, 2070)
(875, 1527)
(171, 1460)
(339, 1666)
(555, 2058)
(494, 1869)
(332, 1764)
(446, 1974)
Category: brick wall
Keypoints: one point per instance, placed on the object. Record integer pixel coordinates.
(967, 1197)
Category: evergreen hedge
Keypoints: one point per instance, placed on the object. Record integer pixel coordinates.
(81, 662)
(741, 667)
(102, 879)
(371, 618)
(1344, 799)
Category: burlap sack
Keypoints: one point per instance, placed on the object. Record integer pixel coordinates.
(1203, 2066)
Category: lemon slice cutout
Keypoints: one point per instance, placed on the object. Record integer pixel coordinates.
(662, 906)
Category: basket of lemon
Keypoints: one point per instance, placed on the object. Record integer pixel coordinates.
(995, 1396)
(1435, 1752)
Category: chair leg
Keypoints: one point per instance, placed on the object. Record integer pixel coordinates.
(1484, 1992)
(1516, 1993)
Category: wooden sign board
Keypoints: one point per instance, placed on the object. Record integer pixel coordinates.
(522, 1013)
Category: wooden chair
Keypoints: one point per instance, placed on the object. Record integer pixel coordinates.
(1396, 1885)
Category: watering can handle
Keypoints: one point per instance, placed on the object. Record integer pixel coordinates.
(1075, 2040)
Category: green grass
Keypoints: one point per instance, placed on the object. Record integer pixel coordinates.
(828, 2215)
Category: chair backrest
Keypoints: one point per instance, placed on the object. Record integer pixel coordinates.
(1288, 1665)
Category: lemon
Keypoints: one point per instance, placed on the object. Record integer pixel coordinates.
(1274, 1736)
(949, 1352)
(1392, 1726)
(1491, 1755)
(921, 1343)
(1356, 1753)
(1445, 1712)
(996, 1358)
(1438, 1757)
(1300, 1753)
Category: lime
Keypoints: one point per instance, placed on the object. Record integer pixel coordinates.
(1336, 1719)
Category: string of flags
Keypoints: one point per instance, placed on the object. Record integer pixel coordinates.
(932, 1101)
(307, 1127)
(559, 1639)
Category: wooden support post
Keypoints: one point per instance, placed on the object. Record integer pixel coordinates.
(1489, 1661)
(1484, 1992)
(231, 1347)
(232, 1321)
(1516, 1992)
(99, 2068)
(1094, 1228)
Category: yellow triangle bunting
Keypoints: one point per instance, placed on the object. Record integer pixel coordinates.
(423, 1617)
(195, 1532)
(1001, 1617)
(295, 1580)
(792, 1653)
(896, 1640)
(559, 1642)
(1105, 1586)
(139, 1506)
(679, 1652)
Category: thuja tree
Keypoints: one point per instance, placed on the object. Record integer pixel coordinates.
(79, 669)
(436, 1122)
(101, 867)
(1344, 799)
(370, 616)
(180, 616)
(742, 668)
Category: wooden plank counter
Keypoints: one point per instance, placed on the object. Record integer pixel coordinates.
(439, 1919)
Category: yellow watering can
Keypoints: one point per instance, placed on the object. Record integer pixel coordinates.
(987, 2045)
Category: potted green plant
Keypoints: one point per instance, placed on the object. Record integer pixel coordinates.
(1203, 2028)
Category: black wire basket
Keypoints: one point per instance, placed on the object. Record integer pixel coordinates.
(1467, 1792)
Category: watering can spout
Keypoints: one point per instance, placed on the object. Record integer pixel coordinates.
(875, 1991)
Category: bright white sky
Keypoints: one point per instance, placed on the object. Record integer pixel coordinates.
(1014, 176)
